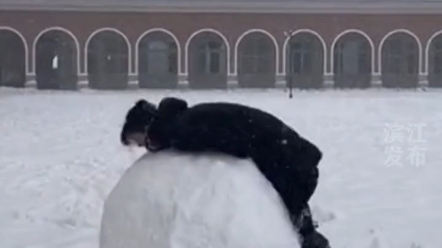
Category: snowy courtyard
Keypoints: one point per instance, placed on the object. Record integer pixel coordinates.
(380, 183)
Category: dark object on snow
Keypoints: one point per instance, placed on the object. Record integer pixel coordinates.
(285, 158)
(314, 240)
(310, 238)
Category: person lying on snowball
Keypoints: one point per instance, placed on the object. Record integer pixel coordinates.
(287, 160)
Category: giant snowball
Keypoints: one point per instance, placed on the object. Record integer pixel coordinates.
(173, 200)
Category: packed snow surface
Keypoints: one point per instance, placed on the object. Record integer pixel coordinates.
(173, 200)
(380, 183)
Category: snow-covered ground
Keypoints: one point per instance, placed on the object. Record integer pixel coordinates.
(60, 156)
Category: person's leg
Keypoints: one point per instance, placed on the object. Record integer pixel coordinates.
(293, 197)
(295, 188)
(281, 177)
(310, 237)
(309, 183)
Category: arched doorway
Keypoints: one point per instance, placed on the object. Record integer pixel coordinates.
(256, 61)
(12, 59)
(305, 61)
(56, 61)
(107, 61)
(207, 61)
(352, 61)
(158, 61)
(435, 62)
(400, 61)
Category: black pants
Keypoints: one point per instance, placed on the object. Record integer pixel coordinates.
(294, 188)
(295, 197)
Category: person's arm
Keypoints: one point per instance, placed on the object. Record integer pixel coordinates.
(160, 130)
(170, 107)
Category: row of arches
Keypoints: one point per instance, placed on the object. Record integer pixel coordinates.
(57, 59)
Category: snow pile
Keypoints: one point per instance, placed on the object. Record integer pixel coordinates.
(189, 201)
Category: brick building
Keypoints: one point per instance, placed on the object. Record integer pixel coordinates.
(110, 44)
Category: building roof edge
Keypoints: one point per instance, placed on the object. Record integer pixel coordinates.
(238, 7)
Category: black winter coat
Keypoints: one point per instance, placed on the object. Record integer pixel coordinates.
(288, 160)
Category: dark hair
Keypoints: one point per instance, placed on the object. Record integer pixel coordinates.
(137, 119)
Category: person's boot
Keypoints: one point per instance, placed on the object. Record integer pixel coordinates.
(314, 240)
(309, 236)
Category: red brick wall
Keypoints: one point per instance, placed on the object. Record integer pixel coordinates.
(230, 25)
